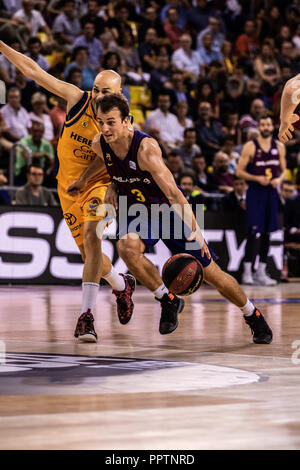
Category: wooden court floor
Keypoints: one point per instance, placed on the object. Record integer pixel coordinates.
(206, 386)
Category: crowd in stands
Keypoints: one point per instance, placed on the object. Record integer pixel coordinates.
(198, 75)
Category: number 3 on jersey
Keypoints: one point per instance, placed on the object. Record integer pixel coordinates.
(269, 173)
(139, 196)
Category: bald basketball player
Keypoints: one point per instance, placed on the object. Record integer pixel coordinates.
(80, 209)
(289, 102)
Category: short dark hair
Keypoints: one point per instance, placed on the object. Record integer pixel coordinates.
(34, 40)
(32, 165)
(187, 173)
(113, 100)
(264, 117)
(78, 49)
(288, 182)
(72, 71)
(188, 129)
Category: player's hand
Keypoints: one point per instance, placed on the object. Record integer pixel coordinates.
(263, 180)
(197, 236)
(275, 182)
(286, 128)
(75, 188)
(111, 196)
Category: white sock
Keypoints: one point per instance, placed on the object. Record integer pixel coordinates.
(261, 268)
(89, 296)
(115, 279)
(248, 268)
(161, 291)
(248, 309)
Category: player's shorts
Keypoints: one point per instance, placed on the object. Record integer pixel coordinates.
(78, 210)
(262, 209)
(174, 237)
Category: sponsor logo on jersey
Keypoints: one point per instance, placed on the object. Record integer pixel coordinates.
(70, 218)
(108, 157)
(85, 123)
(132, 165)
(94, 203)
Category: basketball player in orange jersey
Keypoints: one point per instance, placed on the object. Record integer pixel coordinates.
(134, 162)
(80, 211)
(289, 102)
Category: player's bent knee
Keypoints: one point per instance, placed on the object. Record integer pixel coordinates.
(129, 254)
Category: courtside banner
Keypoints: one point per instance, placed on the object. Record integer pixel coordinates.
(36, 246)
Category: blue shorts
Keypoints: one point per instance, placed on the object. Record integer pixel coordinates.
(174, 236)
(262, 209)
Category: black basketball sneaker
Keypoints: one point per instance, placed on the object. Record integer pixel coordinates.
(124, 299)
(262, 333)
(171, 305)
(85, 328)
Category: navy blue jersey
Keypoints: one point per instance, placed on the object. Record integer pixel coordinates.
(138, 185)
(265, 163)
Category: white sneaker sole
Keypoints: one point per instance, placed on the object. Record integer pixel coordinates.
(88, 338)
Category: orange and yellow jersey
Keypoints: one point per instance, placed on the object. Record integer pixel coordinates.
(74, 148)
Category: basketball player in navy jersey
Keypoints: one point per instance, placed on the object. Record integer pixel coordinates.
(262, 163)
(134, 162)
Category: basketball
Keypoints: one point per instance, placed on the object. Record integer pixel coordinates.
(182, 274)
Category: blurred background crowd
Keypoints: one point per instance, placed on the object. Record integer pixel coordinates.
(198, 75)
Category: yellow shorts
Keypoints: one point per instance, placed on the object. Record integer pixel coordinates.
(78, 210)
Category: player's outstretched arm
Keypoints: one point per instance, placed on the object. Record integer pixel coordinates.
(92, 170)
(30, 69)
(150, 159)
(247, 152)
(289, 101)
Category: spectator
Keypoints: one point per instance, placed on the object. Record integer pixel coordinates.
(66, 26)
(151, 20)
(267, 69)
(120, 21)
(287, 191)
(198, 16)
(204, 179)
(205, 92)
(292, 220)
(188, 149)
(91, 43)
(214, 28)
(40, 114)
(221, 174)
(177, 88)
(250, 121)
(147, 50)
(181, 111)
(130, 56)
(228, 148)
(296, 38)
(112, 61)
(175, 164)
(235, 201)
(27, 89)
(176, 5)
(289, 56)
(34, 52)
(41, 149)
(164, 120)
(32, 19)
(209, 132)
(231, 127)
(206, 52)
(80, 60)
(194, 197)
(155, 133)
(284, 35)
(33, 193)
(228, 59)
(75, 76)
(58, 116)
(247, 44)
(172, 31)
(108, 42)
(7, 69)
(251, 92)
(185, 59)
(272, 22)
(92, 16)
(160, 76)
(16, 117)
